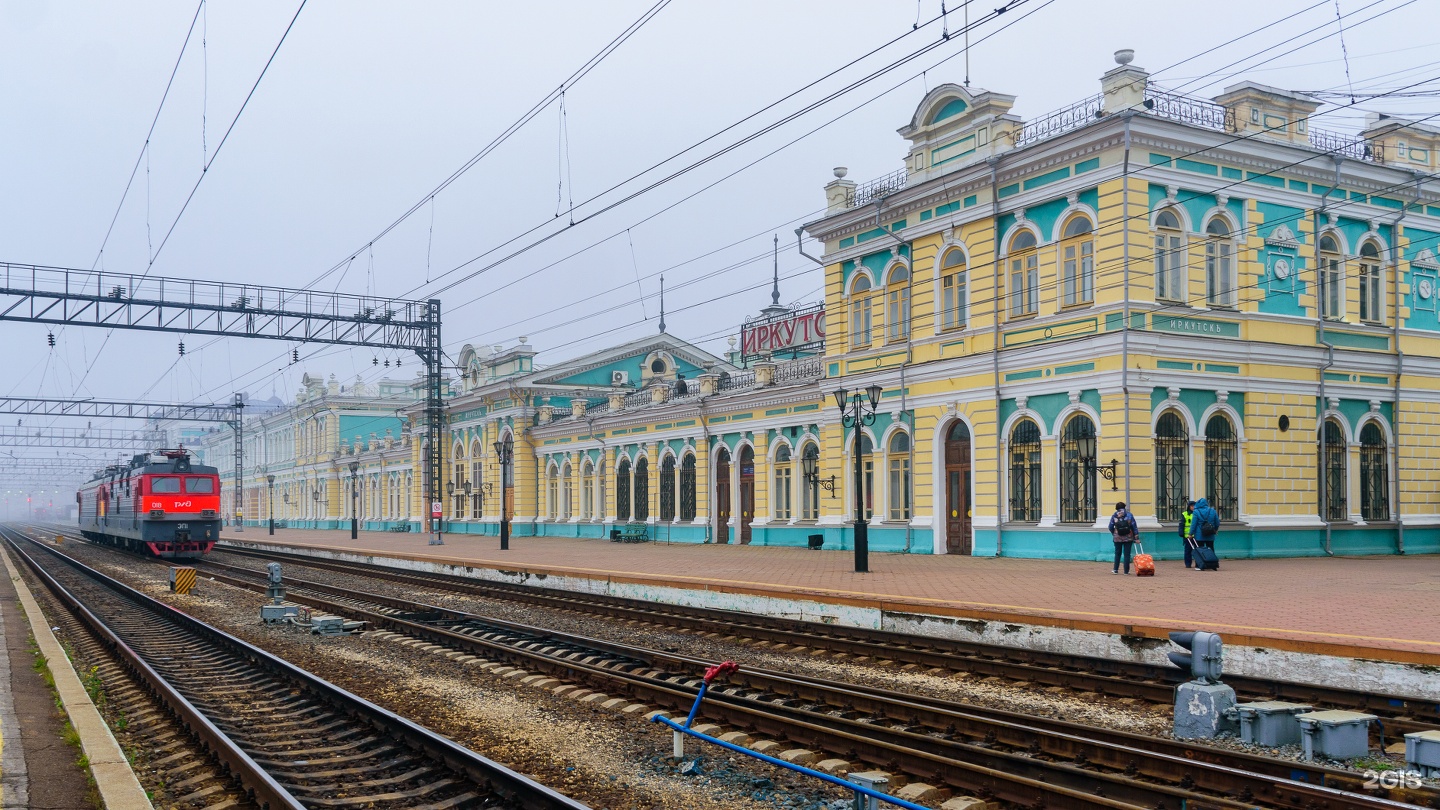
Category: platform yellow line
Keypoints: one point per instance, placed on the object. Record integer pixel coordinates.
(502, 565)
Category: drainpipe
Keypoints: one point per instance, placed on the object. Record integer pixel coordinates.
(995, 351)
(599, 476)
(1125, 328)
(709, 460)
(800, 247)
(1399, 368)
(1329, 360)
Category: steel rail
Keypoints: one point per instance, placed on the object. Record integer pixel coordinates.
(947, 727)
(505, 783)
(1151, 682)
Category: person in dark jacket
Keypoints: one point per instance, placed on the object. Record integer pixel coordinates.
(1206, 523)
(1187, 530)
(1123, 531)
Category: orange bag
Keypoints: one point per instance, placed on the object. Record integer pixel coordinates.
(1144, 563)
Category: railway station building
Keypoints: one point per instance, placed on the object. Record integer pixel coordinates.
(1143, 297)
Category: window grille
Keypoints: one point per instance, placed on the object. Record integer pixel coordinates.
(1332, 472)
(687, 488)
(642, 490)
(622, 490)
(1171, 469)
(1374, 474)
(667, 488)
(1221, 467)
(1025, 474)
(1077, 471)
(810, 502)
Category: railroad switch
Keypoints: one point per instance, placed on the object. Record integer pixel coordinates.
(277, 610)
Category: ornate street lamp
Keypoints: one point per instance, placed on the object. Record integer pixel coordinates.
(270, 500)
(810, 468)
(354, 501)
(858, 410)
(504, 454)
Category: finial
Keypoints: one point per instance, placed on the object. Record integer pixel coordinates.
(775, 290)
(840, 172)
(1124, 56)
(662, 304)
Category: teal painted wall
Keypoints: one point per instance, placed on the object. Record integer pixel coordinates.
(363, 426)
(1234, 544)
(1424, 312)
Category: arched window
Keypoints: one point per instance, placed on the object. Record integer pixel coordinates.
(563, 512)
(587, 476)
(953, 292)
(1332, 472)
(1219, 264)
(457, 484)
(477, 478)
(1332, 278)
(1372, 302)
(1077, 471)
(687, 488)
(860, 311)
(622, 490)
(667, 488)
(1374, 473)
(1172, 452)
(1170, 256)
(898, 485)
(784, 482)
(552, 492)
(897, 295)
(1078, 251)
(1025, 475)
(1222, 467)
(810, 497)
(867, 467)
(1024, 275)
(642, 490)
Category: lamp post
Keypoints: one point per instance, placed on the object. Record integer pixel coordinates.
(270, 500)
(858, 410)
(504, 454)
(469, 489)
(354, 501)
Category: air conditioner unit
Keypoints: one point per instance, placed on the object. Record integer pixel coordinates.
(619, 377)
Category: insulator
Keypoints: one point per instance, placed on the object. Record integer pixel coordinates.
(51, 340)
(182, 348)
(387, 363)
(374, 361)
(294, 355)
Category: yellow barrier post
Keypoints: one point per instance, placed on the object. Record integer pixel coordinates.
(182, 580)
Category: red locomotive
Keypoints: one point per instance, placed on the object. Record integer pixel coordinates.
(161, 504)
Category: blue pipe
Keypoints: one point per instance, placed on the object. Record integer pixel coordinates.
(834, 780)
(704, 685)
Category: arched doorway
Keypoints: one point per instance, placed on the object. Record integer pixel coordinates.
(747, 492)
(958, 528)
(722, 495)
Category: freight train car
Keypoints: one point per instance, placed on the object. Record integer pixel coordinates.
(159, 504)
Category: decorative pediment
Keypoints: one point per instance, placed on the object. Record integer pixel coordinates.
(1426, 258)
(952, 106)
(1282, 236)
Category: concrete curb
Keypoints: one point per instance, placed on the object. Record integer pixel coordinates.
(119, 788)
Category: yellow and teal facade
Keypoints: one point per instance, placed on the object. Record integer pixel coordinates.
(1143, 297)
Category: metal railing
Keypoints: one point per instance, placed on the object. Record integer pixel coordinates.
(879, 187)
(1350, 146)
(739, 379)
(805, 368)
(1198, 112)
(1061, 121)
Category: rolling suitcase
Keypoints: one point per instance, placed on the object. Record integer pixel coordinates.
(1144, 563)
(1205, 559)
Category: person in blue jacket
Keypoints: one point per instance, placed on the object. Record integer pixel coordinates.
(1206, 523)
(1124, 531)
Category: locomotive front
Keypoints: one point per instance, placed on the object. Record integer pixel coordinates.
(163, 505)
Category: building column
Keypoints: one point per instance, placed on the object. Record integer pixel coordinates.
(763, 471)
(702, 483)
(608, 490)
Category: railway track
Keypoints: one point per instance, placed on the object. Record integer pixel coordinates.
(1152, 683)
(287, 738)
(1017, 759)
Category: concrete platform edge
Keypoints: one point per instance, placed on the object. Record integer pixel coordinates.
(1388, 671)
(119, 788)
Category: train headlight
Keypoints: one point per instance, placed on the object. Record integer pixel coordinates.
(157, 514)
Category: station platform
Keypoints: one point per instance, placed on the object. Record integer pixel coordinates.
(1372, 608)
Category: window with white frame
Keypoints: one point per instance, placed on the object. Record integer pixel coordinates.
(563, 512)
(1077, 250)
(587, 475)
(953, 293)
(810, 495)
(1024, 275)
(897, 295)
(1372, 302)
(552, 493)
(784, 481)
(1332, 278)
(860, 311)
(898, 486)
(1219, 264)
(1170, 258)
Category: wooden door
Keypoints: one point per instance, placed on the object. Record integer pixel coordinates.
(958, 526)
(722, 497)
(747, 493)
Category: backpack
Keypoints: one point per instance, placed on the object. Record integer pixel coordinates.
(1211, 524)
(1123, 525)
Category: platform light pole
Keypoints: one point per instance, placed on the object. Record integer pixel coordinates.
(504, 454)
(858, 410)
(270, 500)
(354, 501)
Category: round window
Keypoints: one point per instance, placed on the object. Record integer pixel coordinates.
(657, 366)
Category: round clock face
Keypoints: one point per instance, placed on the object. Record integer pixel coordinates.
(1282, 268)
(1426, 288)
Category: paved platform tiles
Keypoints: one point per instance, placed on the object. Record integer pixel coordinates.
(38, 769)
(1354, 607)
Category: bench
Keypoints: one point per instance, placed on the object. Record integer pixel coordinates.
(631, 533)
(400, 529)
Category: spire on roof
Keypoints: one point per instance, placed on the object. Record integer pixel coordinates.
(662, 304)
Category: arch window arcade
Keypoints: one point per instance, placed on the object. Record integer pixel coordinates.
(1374, 474)
(667, 489)
(1222, 467)
(1332, 471)
(1025, 472)
(1077, 471)
(1172, 448)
